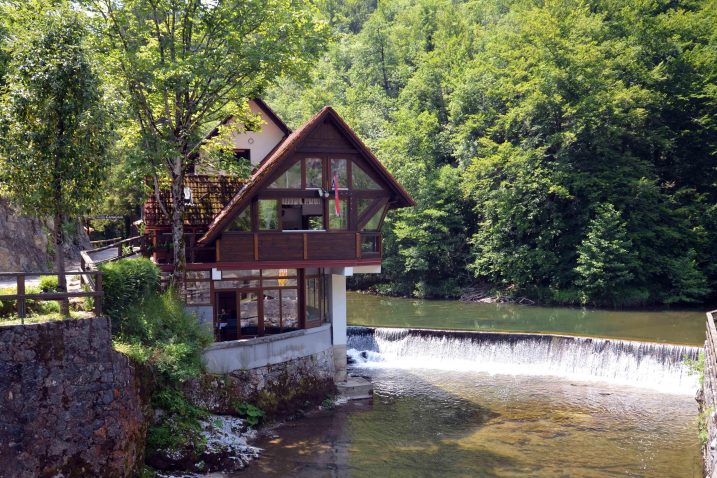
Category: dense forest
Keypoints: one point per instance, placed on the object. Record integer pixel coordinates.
(560, 150)
(564, 151)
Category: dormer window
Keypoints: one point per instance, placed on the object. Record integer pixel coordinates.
(242, 155)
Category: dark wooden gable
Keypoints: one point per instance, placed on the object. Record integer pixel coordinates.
(327, 134)
(327, 138)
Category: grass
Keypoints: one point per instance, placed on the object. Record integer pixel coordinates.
(42, 318)
(39, 311)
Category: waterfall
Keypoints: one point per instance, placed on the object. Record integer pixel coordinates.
(643, 364)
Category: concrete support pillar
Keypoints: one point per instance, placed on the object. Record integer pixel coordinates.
(337, 307)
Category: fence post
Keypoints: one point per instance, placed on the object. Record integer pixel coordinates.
(98, 290)
(21, 297)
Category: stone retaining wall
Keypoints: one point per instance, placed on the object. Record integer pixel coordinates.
(279, 389)
(71, 405)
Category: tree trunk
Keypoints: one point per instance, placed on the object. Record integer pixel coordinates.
(179, 252)
(60, 261)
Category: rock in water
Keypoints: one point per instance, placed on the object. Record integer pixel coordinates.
(225, 449)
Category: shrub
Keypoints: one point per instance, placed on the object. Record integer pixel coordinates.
(249, 412)
(49, 284)
(178, 427)
(128, 282)
(159, 331)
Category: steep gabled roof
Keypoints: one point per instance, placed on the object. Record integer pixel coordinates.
(274, 117)
(209, 196)
(283, 151)
(264, 107)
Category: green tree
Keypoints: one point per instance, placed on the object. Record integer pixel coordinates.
(546, 110)
(53, 141)
(606, 263)
(183, 65)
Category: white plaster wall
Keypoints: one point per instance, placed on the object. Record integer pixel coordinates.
(337, 307)
(367, 269)
(226, 357)
(260, 142)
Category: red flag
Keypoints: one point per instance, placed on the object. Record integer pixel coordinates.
(335, 185)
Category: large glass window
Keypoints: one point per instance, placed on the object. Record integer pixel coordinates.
(267, 302)
(339, 172)
(314, 172)
(361, 180)
(248, 314)
(338, 216)
(363, 205)
(370, 244)
(374, 223)
(281, 310)
(302, 214)
(316, 301)
(226, 310)
(291, 179)
(268, 214)
(242, 222)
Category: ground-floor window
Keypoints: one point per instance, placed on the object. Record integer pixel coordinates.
(254, 303)
(317, 303)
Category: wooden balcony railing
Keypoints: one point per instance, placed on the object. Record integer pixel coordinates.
(298, 246)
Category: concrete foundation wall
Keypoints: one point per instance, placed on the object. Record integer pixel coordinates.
(227, 357)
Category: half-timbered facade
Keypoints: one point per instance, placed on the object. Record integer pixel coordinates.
(269, 255)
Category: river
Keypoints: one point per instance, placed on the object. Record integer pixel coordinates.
(452, 404)
(668, 326)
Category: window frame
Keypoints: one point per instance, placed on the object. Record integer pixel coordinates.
(355, 221)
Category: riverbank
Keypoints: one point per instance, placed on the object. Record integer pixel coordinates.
(487, 294)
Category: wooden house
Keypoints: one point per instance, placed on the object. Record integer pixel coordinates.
(269, 255)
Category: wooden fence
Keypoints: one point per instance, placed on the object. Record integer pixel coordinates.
(21, 296)
(111, 252)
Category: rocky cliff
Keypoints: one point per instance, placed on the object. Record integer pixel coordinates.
(24, 242)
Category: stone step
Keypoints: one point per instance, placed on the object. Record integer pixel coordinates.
(355, 388)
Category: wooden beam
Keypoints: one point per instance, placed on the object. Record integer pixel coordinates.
(21, 297)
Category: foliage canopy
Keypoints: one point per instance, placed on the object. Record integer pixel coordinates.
(539, 113)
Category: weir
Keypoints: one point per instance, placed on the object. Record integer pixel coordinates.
(656, 366)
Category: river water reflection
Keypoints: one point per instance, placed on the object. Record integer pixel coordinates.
(426, 423)
(669, 326)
